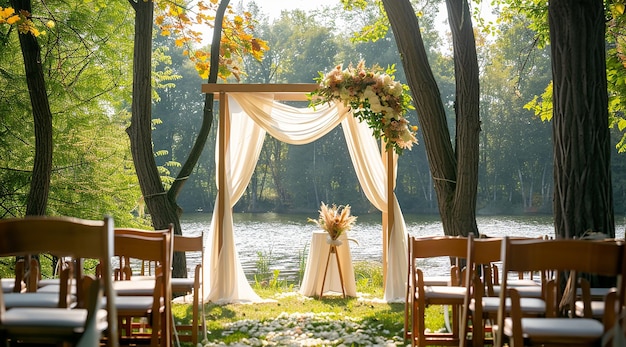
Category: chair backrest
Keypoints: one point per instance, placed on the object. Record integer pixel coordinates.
(481, 253)
(183, 243)
(151, 246)
(441, 246)
(599, 257)
(64, 237)
(484, 251)
(146, 264)
(146, 245)
(454, 247)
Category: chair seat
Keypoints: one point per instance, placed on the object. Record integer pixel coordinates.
(523, 283)
(558, 330)
(145, 286)
(127, 304)
(52, 281)
(445, 292)
(528, 305)
(182, 284)
(134, 287)
(596, 293)
(38, 300)
(597, 309)
(48, 320)
(533, 291)
(54, 288)
(7, 284)
(436, 280)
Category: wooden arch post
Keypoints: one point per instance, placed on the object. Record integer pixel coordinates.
(389, 216)
(224, 140)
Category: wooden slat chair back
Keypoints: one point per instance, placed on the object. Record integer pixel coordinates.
(191, 285)
(480, 307)
(529, 283)
(454, 273)
(586, 301)
(480, 255)
(179, 285)
(155, 246)
(15, 284)
(63, 237)
(562, 255)
(420, 295)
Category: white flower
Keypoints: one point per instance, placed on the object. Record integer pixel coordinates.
(375, 106)
(354, 86)
(370, 94)
(395, 89)
(387, 80)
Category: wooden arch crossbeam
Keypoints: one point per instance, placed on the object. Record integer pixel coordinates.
(284, 92)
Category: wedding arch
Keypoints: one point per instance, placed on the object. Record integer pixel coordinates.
(247, 113)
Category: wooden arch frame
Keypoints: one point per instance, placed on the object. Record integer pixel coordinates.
(286, 92)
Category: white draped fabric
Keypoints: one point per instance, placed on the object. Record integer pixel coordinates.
(251, 116)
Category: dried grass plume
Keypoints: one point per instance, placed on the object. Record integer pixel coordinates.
(334, 220)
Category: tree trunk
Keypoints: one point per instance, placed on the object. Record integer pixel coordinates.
(467, 116)
(162, 205)
(42, 117)
(162, 210)
(455, 175)
(582, 150)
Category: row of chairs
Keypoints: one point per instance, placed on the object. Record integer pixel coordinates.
(492, 304)
(102, 307)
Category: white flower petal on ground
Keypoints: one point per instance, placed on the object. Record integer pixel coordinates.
(308, 329)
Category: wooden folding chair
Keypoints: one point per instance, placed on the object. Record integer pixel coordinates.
(480, 306)
(149, 299)
(563, 255)
(589, 301)
(422, 295)
(191, 286)
(586, 301)
(62, 237)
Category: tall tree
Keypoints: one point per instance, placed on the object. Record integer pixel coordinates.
(583, 199)
(83, 86)
(163, 211)
(454, 169)
(42, 116)
(162, 204)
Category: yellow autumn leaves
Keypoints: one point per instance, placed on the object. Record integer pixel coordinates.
(189, 28)
(21, 20)
(184, 25)
(7, 15)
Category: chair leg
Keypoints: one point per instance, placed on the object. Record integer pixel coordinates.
(478, 331)
(455, 321)
(420, 329)
(194, 320)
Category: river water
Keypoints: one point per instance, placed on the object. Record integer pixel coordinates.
(283, 239)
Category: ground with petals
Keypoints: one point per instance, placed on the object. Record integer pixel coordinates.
(290, 319)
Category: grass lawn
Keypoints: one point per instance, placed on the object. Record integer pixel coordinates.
(290, 319)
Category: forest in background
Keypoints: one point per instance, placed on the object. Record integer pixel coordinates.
(516, 147)
(93, 173)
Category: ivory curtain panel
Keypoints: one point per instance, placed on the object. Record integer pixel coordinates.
(251, 116)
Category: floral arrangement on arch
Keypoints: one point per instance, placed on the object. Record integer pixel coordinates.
(335, 220)
(374, 97)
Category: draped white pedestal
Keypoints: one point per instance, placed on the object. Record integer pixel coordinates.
(316, 267)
